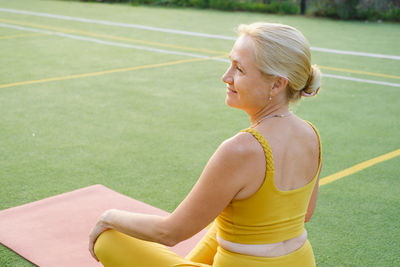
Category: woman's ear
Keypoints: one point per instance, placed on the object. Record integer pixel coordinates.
(278, 86)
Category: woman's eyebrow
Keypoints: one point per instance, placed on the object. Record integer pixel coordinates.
(234, 60)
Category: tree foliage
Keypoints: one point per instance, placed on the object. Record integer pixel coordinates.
(340, 9)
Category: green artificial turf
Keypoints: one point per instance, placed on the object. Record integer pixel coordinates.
(148, 133)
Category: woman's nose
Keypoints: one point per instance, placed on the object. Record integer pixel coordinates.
(227, 78)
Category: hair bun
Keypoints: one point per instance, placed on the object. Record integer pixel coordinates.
(313, 83)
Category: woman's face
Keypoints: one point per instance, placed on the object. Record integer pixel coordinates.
(247, 88)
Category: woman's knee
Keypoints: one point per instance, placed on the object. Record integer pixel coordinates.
(103, 243)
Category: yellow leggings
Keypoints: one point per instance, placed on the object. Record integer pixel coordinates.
(115, 249)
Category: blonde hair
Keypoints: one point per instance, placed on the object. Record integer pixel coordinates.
(283, 51)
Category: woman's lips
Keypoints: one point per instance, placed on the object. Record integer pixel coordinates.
(231, 90)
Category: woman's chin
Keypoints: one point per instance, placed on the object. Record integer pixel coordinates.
(231, 103)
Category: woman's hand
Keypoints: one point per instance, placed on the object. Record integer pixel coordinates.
(99, 228)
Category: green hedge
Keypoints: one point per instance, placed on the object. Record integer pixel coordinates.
(356, 9)
(340, 9)
(264, 6)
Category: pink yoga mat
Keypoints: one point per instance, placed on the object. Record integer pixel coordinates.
(54, 231)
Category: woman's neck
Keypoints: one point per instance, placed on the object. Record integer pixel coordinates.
(268, 110)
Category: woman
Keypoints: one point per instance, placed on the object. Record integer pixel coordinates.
(259, 192)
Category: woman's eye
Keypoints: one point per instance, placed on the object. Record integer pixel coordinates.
(239, 69)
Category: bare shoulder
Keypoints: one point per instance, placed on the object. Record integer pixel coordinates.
(310, 134)
(242, 145)
(245, 163)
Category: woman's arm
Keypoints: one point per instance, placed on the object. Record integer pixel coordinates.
(143, 226)
(224, 176)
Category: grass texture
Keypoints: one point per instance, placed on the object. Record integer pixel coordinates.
(148, 133)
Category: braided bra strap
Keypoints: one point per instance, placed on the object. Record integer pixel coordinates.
(265, 145)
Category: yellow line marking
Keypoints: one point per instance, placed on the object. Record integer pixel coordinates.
(22, 35)
(107, 36)
(360, 72)
(83, 75)
(359, 167)
(151, 43)
(65, 30)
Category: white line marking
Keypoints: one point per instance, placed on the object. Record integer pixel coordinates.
(76, 37)
(198, 34)
(359, 80)
(133, 46)
(353, 53)
(110, 23)
(4, 25)
(89, 39)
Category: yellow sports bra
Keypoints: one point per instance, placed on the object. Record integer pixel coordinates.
(269, 215)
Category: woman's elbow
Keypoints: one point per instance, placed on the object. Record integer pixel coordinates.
(167, 236)
(167, 240)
